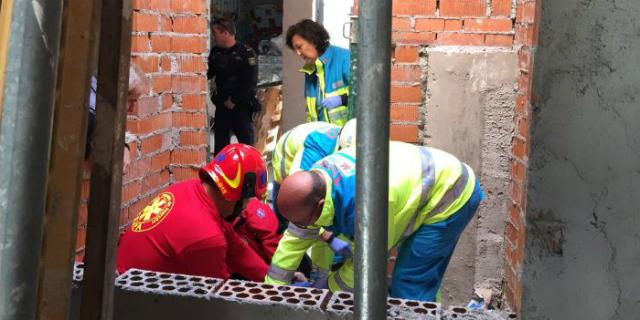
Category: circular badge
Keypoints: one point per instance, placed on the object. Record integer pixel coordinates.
(154, 213)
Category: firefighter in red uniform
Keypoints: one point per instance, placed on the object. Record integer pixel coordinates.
(186, 229)
(258, 226)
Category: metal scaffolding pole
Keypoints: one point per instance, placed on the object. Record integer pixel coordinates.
(25, 136)
(372, 180)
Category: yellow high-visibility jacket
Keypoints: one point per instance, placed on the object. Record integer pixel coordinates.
(426, 185)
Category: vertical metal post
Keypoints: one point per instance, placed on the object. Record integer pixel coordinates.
(67, 156)
(106, 174)
(25, 138)
(372, 180)
(353, 78)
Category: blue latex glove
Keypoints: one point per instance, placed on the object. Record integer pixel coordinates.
(340, 247)
(302, 284)
(322, 283)
(332, 102)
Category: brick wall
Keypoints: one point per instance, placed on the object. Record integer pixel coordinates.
(527, 19)
(420, 23)
(167, 134)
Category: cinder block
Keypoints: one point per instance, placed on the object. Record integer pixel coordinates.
(342, 302)
(462, 313)
(260, 293)
(167, 283)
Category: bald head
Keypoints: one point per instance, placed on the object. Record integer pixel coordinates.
(301, 197)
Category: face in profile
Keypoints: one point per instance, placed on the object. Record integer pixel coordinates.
(304, 49)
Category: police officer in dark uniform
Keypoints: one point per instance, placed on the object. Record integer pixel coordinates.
(235, 69)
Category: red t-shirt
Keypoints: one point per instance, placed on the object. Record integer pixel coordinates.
(258, 226)
(180, 231)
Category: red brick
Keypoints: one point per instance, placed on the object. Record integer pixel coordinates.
(163, 6)
(148, 64)
(130, 191)
(189, 24)
(196, 138)
(139, 4)
(413, 37)
(167, 101)
(429, 24)
(189, 44)
(161, 121)
(137, 169)
(516, 193)
(406, 133)
(528, 12)
(165, 63)
(83, 211)
(460, 39)
(152, 144)
(145, 106)
(195, 64)
(500, 40)
(406, 73)
(517, 169)
(414, 7)
(137, 207)
(193, 102)
(165, 24)
(188, 84)
(515, 218)
(188, 119)
(401, 24)
(521, 104)
(401, 112)
(501, 8)
(526, 35)
(452, 25)
(180, 174)
(144, 22)
(406, 94)
(191, 6)
(81, 237)
(524, 59)
(406, 54)
(511, 234)
(524, 82)
(488, 25)
(160, 43)
(161, 83)
(85, 187)
(188, 156)
(523, 127)
(463, 8)
(133, 152)
(156, 181)
(140, 44)
(160, 161)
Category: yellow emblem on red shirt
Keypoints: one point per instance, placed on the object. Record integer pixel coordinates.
(154, 213)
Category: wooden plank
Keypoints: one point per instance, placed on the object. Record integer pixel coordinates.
(106, 174)
(67, 156)
(6, 9)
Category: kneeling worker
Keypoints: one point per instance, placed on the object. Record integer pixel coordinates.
(185, 229)
(432, 197)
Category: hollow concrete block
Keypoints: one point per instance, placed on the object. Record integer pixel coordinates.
(342, 303)
(167, 283)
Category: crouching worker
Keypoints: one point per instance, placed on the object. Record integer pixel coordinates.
(186, 228)
(432, 197)
(257, 225)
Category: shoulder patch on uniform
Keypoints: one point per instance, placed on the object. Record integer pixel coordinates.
(252, 61)
(153, 214)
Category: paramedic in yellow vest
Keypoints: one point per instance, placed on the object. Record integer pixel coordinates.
(432, 197)
(326, 72)
(298, 149)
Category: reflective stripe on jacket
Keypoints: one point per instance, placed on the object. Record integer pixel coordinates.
(426, 186)
(327, 77)
(302, 146)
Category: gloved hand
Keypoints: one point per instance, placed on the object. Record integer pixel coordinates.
(322, 283)
(340, 247)
(332, 102)
(302, 284)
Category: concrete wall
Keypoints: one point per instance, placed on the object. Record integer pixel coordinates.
(582, 242)
(469, 113)
(293, 104)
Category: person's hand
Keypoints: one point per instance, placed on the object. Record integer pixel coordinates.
(332, 102)
(340, 247)
(299, 277)
(229, 104)
(322, 283)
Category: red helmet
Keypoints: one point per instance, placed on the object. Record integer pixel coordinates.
(239, 172)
